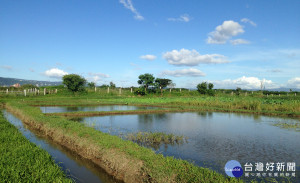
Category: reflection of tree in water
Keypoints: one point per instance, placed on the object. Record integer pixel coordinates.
(161, 116)
(255, 117)
(72, 108)
(146, 118)
(205, 114)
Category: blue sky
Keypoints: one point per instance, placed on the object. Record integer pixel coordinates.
(234, 43)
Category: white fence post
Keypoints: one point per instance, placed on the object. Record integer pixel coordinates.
(180, 90)
(25, 93)
(7, 91)
(55, 90)
(108, 90)
(44, 91)
(131, 90)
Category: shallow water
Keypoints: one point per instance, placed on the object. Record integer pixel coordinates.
(214, 138)
(80, 170)
(57, 109)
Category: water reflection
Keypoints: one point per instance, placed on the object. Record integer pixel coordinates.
(60, 109)
(215, 138)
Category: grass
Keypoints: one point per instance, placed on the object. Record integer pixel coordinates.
(295, 125)
(23, 161)
(186, 100)
(123, 159)
(155, 139)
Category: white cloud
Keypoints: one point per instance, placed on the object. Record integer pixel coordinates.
(55, 73)
(294, 82)
(184, 72)
(128, 4)
(186, 57)
(182, 18)
(96, 77)
(246, 20)
(99, 75)
(239, 41)
(148, 57)
(244, 83)
(6, 67)
(224, 32)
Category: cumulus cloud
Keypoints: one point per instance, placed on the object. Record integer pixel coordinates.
(148, 57)
(182, 18)
(294, 82)
(128, 4)
(185, 57)
(6, 67)
(246, 20)
(239, 41)
(224, 32)
(245, 83)
(96, 77)
(184, 72)
(55, 73)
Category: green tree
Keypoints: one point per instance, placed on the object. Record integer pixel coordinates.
(162, 83)
(146, 80)
(206, 88)
(238, 91)
(91, 84)
(112, 85)
(202, 88)
(74, 82)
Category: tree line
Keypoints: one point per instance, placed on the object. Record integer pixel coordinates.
(76, 83)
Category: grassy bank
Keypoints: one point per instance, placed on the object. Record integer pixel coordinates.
(23, 161)
(284, 106)
(123, 159)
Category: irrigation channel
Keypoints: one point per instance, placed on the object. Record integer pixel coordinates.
(213, 137)
(79, 169)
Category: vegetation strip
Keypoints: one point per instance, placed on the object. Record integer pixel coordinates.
(125, 160)
(285, 106)
(23, 161)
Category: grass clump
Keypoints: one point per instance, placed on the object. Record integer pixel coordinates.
(23, 161)
(286, 125)
(155, 139)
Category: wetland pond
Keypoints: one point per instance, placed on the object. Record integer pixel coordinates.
(61, 109)
(80, 170)
(214, 137)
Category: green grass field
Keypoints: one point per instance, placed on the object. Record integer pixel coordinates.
(23, 161)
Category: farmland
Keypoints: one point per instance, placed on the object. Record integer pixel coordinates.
(145, 164)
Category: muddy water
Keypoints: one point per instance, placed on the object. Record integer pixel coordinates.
(214, 138)
(80, 170)
(56, 109)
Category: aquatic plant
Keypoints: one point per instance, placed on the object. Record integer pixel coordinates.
(155, 139)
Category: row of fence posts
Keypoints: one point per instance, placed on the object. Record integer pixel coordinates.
(131, 90)
(35, 91)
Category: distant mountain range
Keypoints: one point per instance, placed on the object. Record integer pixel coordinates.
(11, 81)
